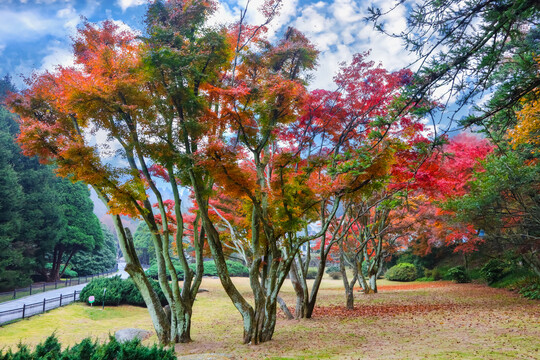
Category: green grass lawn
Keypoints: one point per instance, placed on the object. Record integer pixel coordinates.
(437, 320)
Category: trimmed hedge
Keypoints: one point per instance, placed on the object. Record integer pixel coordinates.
(402, 272)
(235, 269)
(87, 349)
(118, 292)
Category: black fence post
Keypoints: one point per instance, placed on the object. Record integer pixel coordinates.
(14, 293)
(44, 304)
(60, 300)
(55, 284)
(30, 289)
(23, 310)
(74, 295)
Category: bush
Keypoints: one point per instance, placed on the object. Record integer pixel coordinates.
(312, 273)
(88, 350)
(459, 275)
(118, 292)
(69, 273)
(493, 270)
(335, 275)
(132, 295)
(402, 272)
(436, 274)
(235, 269)
(113, 296)
(530, 288)
(332, 269)
(425, 278)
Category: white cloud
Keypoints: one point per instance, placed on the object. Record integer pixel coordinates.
(336, 27)
(124, 4)
(57, 56)
(31, 25)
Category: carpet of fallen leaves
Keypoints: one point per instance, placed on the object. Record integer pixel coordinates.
(378, 310)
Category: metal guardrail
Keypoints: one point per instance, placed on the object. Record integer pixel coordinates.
(28, 310)
(46, 286)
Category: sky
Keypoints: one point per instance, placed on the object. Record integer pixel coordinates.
(35, 34)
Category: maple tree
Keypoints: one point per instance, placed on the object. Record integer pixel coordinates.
(444, 176)
(108, 91)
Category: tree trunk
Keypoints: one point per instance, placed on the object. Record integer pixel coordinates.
(135, 270)
(301, 298)
(316, 285)
(373, 282)
(284, 308)
(66, 264)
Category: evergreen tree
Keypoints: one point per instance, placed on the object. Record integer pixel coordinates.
(81, 230)
(99, 260)
(144, 244)
(15, 266)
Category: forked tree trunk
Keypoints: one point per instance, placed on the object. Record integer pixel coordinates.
(135, 270)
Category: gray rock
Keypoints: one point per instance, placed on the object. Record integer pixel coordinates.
(129, 334)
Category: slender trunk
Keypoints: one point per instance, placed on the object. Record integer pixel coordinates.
(373, 282)
(349, 287)
(284, 308)
(135, 270)
(54, 274)
(66, 264)
(299, 289)
(316, 284)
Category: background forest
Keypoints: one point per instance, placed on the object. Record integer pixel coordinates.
(48, 229)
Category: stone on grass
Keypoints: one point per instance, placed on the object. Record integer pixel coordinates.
(128, 334)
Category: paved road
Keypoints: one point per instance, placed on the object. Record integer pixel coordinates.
(38, 298)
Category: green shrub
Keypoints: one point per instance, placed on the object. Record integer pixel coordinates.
(475, 274)
(113, 296)
(402, 272)
(312, 273)
(436, 274)
(132, 295)
(459, 275)
(118, 292)
(69, 273)
(153, 270)
(493, 270)
(336, 275)
(530, 288)
(425, 278)
(235, 269)
(332, 269)
(88, 350)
